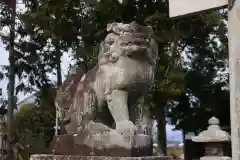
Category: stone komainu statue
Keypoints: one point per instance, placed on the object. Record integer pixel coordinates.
(119, 82)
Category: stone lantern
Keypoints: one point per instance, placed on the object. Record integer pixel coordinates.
(213, 139)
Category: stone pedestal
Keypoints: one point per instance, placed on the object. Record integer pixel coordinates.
(70, 157)
(103, 145)
(215, 158)
(99, 140)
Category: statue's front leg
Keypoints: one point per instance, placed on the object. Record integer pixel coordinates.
(118, 105)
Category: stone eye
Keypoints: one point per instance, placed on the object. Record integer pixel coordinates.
(110, 42)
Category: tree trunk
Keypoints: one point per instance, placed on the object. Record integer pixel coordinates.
(59, 82)
(161, 126)
(184, 146)
(59, 71)
(11, 86)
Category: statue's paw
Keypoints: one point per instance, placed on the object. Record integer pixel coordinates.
(66, 121)
(98, 128)
(126, 127)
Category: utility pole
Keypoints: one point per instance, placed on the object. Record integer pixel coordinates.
(11, 85)
(59, 82)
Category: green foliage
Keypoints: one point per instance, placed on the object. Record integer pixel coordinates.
(205, 80)
(24, 109)
(34, 124)
(186, 89)
(34, 128)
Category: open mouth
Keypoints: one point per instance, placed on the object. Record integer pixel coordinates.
(134, 48)
(134, 42)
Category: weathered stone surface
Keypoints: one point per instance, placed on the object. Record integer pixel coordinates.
(213, 133)
(119, 83)
(181, 7)
(215, 158)
(121, 79)
(107, 144)
(70, 157)
(234, 73)
(213, 139)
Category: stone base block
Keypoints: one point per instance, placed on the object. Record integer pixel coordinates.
(215, 158)
(69, 157)
(104, 145)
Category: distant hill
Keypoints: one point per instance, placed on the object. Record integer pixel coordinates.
(173, 136)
